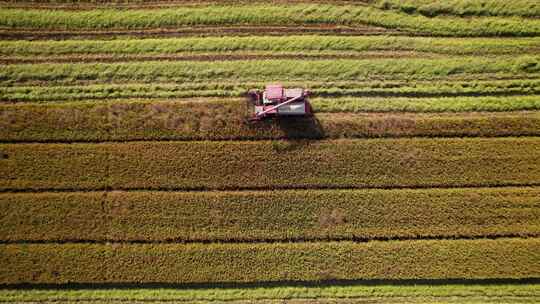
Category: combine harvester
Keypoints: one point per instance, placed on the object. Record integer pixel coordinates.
(276, 101)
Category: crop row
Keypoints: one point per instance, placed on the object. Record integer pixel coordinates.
(227, 88)
(270, 215)
(265, 14)
(290, 44)
(272, 164)
(225, 119)
(216, 263)
(431, 8)
(444, 104)
(269, 70)
(470, 293)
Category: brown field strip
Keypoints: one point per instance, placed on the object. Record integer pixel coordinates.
(224, 119)
(265, 262)
(374, 163)
(138, 4)
(213, 57)
(325, 29)
(287, 215)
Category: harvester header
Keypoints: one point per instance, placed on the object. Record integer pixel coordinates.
(277, 101)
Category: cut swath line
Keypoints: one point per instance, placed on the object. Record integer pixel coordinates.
(249, 189)
(274, 241)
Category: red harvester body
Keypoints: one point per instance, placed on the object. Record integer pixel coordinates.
(276, 101)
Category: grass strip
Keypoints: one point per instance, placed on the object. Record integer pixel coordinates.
(269, 70)
(224, 119)
(265, 14)
(443, 87)
(270, 215)
(272, 164)
(265, 262)
(486, 85)
(294, 44)
(462, 8)
(527, 293)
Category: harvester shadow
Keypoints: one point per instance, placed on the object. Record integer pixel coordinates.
(297, 133)
(290, 133)
(301, 127)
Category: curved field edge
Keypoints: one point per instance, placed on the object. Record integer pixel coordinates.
(289, 215)
(269, 70)
(462, 8)
(289, 44)
(527, 293)
(198, 31)
(257, 14)
(373, 163)
(225, 119)
(482, 85)
(265, 262)
(429, 8)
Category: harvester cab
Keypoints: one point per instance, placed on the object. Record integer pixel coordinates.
(276, 101)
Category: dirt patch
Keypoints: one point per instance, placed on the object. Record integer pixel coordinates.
(329, 218)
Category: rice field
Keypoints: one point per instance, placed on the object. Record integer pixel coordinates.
(128, 172)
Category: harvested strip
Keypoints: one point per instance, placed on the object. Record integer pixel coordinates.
(215, 57)
(88, 4)
(272, 164)
(197, 31)
(270, 215)
(445, 104)
(484, 85)
(225, 119)
(431, 8)
(470, 293)
(265, 14)
(216, 263)
(328, 45)
(269, 70)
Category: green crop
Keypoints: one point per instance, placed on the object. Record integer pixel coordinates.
(431, 8)
(482, 85)
(470, 293)
(269, 70)
(265, 14)
(295, 44)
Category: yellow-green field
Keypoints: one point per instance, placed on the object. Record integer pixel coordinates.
(128, 172)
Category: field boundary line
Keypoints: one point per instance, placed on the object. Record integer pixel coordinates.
(196, 141)
(261, 189)
(274, 241)
(240, 139)
(224, 285)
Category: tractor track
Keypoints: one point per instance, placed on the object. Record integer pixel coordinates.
(258, 189)
(212, 57)
(274, 241)
(157, 4)
(249, 139)
(330, 83)
(205, 98)
(335, 282)
(203, 31)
